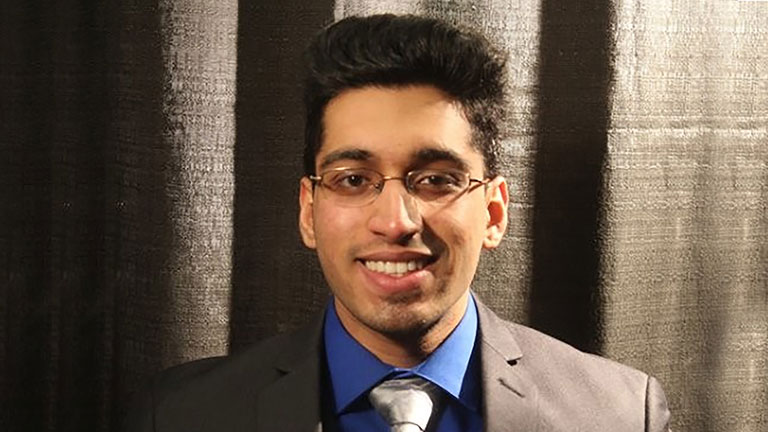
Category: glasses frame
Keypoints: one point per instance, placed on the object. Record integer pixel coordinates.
(317, 180)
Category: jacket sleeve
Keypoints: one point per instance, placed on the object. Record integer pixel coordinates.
(656, 409)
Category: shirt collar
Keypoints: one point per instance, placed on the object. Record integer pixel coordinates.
(354, 370)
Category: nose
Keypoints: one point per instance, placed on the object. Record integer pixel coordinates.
(395, 214)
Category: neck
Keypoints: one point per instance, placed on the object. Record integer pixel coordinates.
(404, 349)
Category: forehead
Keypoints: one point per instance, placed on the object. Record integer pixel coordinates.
(396, 126)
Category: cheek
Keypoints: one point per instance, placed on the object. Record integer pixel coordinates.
(333, 226)
(464, 228)
(464, 232)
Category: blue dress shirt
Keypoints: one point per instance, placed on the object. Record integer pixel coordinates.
(453, 366)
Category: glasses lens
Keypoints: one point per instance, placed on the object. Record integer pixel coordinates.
(351, 186)
(359, 186)
(437, 185)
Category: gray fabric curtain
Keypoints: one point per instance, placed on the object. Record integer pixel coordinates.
(149, 167)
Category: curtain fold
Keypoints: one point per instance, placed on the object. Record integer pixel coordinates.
(149, 174)
(118, 127)
(171, 177)
(685, 227)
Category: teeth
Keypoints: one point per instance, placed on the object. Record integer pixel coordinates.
(389, 267)
(396, 268)
(401, 267)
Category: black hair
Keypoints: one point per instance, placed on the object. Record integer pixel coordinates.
(401, 50)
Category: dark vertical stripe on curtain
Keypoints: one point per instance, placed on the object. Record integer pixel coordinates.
(276, 283)
(574, 84)
(139, 243)
(27, 68)
(81, 102)
(55, 322)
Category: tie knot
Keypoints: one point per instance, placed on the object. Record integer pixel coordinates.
(406, 403)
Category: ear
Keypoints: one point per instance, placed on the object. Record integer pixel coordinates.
(306, 215)
(496, 200)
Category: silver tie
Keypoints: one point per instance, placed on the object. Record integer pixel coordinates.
(406, 404)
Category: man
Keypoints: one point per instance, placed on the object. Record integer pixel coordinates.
(401, 194)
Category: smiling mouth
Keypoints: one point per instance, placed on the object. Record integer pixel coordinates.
(396, 268)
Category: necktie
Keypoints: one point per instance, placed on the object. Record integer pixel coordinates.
(406, 404)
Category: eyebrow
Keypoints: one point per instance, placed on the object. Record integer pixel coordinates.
(430, 155)
(352, 154)
(421, 157)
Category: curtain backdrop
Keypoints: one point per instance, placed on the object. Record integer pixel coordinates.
(150, 160)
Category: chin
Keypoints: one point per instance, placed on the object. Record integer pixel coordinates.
(402, 321)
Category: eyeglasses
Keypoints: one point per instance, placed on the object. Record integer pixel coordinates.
(356, 187)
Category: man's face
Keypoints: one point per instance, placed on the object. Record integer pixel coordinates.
(363, 250)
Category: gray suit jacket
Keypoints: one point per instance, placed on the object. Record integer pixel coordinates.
(530, 381)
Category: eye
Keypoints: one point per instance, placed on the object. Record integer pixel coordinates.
(349, 181)
(438, 185)
(352, 180)
(437, 180)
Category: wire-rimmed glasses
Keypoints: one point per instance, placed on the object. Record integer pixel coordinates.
(356, 187)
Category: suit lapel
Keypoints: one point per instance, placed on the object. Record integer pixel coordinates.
(292, 402)
(510, 397)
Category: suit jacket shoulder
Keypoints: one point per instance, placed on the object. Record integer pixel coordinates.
(561, 388)
(531, 383)
(243, 391)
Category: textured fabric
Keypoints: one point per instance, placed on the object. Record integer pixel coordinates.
(117, 182)
(684, 238)
(148, 178)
